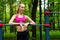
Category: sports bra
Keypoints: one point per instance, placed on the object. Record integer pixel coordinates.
(22, 19)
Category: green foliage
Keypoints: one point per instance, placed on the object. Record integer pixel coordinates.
(26, 1)
(10, 1)
(11, 35)
(53, 35)
(5, 13)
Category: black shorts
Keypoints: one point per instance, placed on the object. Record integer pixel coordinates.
(23, 35)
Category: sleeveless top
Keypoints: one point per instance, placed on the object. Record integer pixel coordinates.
(22, 19)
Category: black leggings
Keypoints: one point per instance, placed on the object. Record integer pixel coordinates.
(23, 35)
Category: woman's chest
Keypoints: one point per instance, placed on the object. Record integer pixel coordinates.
(20, 19)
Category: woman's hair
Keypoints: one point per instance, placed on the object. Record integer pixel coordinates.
(17, 11)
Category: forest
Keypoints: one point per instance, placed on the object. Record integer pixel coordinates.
(35, 10)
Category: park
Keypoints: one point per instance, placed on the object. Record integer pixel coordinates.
(45, 13)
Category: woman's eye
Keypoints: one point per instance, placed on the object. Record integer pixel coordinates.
(22, 7)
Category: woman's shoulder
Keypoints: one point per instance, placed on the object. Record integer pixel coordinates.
(14, 15)
(26, 16)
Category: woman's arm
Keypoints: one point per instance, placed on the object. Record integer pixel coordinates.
(30, 20)
(12, 19)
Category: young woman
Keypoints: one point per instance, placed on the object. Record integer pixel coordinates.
(22, 32)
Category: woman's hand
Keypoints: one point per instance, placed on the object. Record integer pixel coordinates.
(23, 25)
(26, 24)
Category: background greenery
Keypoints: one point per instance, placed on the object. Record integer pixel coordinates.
(8, 8)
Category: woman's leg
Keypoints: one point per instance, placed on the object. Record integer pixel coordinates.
(26, 35)
(19, 36)
(23, 35)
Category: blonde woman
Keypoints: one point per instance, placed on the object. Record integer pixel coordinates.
(22, 32)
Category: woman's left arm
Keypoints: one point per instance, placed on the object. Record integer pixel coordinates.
(30, 20)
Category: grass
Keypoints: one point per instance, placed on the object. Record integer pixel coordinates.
(53, 35)
(9, 35)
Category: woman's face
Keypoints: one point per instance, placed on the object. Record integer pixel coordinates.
(22, 7)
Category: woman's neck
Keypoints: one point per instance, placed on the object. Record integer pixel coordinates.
(21, 13)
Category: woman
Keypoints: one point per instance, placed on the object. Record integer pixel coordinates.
(22, 32)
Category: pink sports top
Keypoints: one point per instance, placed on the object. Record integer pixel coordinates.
(23, 19)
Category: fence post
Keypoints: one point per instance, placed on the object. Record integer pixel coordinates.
(0, 30)
(46, 15)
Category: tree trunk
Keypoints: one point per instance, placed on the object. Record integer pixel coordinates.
(40, 12)
(34, 18)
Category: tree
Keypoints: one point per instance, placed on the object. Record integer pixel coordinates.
(40, 19)
(33, 15)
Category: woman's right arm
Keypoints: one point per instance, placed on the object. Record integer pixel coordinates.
(12, 19)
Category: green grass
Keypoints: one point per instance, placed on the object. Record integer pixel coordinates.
(53, 35)
(9, 35)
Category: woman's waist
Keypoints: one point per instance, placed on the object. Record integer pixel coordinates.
(20, 27)
(22, 30)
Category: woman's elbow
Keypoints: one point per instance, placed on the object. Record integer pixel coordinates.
(9, 23)
(32, 22)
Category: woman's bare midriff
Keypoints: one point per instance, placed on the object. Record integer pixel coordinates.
(19, 28)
